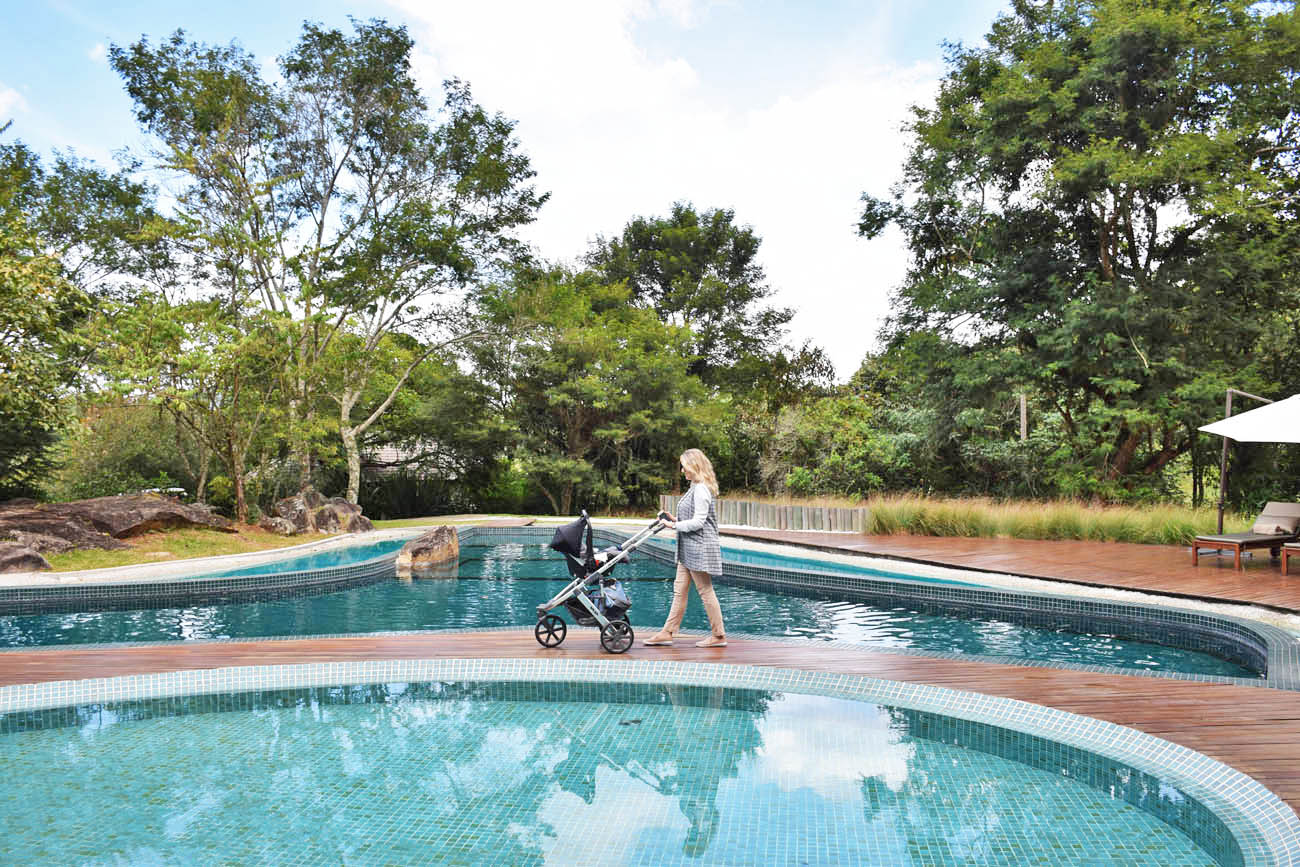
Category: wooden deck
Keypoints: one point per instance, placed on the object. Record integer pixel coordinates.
(1254, 729)
(1165, 569)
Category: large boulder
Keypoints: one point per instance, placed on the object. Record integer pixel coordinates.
(100, 522)
(19, 558)
(277, 525)
(435, 554)
(309, 512)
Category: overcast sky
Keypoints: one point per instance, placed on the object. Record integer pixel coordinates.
(784, 112)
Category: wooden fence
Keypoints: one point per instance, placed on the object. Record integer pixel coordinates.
(777, 517)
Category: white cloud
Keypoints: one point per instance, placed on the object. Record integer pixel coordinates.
(99, 53)
(11, 101)
(615, 132)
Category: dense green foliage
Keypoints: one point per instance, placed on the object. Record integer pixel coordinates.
(1103, 213)
(599, 389)
(68, 234)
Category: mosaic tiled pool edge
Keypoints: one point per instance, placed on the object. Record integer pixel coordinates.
(1257, 646)
(1264, 828)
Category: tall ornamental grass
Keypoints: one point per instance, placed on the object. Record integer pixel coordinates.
(1061, 519)
(1056, 519)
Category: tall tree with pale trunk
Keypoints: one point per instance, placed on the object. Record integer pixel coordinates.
(334, 199)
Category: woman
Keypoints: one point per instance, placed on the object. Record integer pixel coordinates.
(699, 554)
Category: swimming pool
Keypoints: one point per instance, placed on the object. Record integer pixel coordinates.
(572, 772)
(502, 584)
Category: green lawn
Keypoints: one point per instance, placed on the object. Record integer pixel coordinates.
(169, 545)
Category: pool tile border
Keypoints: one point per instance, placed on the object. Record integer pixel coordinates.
(1265, 829)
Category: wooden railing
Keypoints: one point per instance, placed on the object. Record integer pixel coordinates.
(778, 517)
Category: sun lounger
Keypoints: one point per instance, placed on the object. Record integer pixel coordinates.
(1277, 525)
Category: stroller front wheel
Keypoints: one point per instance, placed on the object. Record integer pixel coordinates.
(550, 630)
(616, 636)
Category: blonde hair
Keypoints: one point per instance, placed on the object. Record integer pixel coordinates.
(700, 467)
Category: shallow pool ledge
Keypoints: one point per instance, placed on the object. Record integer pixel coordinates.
(174, 570)
(1265, 828)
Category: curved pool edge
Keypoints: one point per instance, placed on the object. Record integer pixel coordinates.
(789, 640)
(1265, 828)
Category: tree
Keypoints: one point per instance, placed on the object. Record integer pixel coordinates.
(67, 234)
(699, 271)
(450, 439)
(118, 446)
(1103, 206)
(831, 445)
(217, 374)
(36, 306)
(334, 199)
(599, 388)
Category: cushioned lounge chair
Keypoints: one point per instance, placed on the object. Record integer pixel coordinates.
(1278, 524)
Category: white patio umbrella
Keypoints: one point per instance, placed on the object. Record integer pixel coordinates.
(1277, 422)
(1271, 423)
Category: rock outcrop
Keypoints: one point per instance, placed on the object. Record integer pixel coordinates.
(435, 554)
(309, 512)
(20, 558)
(97, 523)
(126, 516)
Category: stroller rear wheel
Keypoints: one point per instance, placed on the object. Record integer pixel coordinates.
(616, 636)
(550, 630)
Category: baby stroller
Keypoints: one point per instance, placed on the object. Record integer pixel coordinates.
(593, 597)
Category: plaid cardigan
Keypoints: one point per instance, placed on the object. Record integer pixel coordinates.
(699, 550)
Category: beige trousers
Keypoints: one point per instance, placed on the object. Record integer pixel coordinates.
(681, 589)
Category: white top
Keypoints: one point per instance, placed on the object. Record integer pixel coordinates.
(703, 497)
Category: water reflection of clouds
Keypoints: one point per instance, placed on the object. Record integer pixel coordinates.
(626, 816)
(829, 746)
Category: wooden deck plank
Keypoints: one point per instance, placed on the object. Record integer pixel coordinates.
(1254, 729)
(1163, 569)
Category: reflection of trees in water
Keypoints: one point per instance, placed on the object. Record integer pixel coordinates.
(836, 615)
(712, 730)
(425, 764)
(946, 811)
(703, 762)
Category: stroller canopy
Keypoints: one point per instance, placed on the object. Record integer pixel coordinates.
(568, 539)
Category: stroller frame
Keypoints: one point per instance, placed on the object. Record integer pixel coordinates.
(615, 634)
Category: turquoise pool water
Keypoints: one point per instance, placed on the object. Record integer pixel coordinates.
(530, 774)
(317, 560)
(362, 553)
(502, 585)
